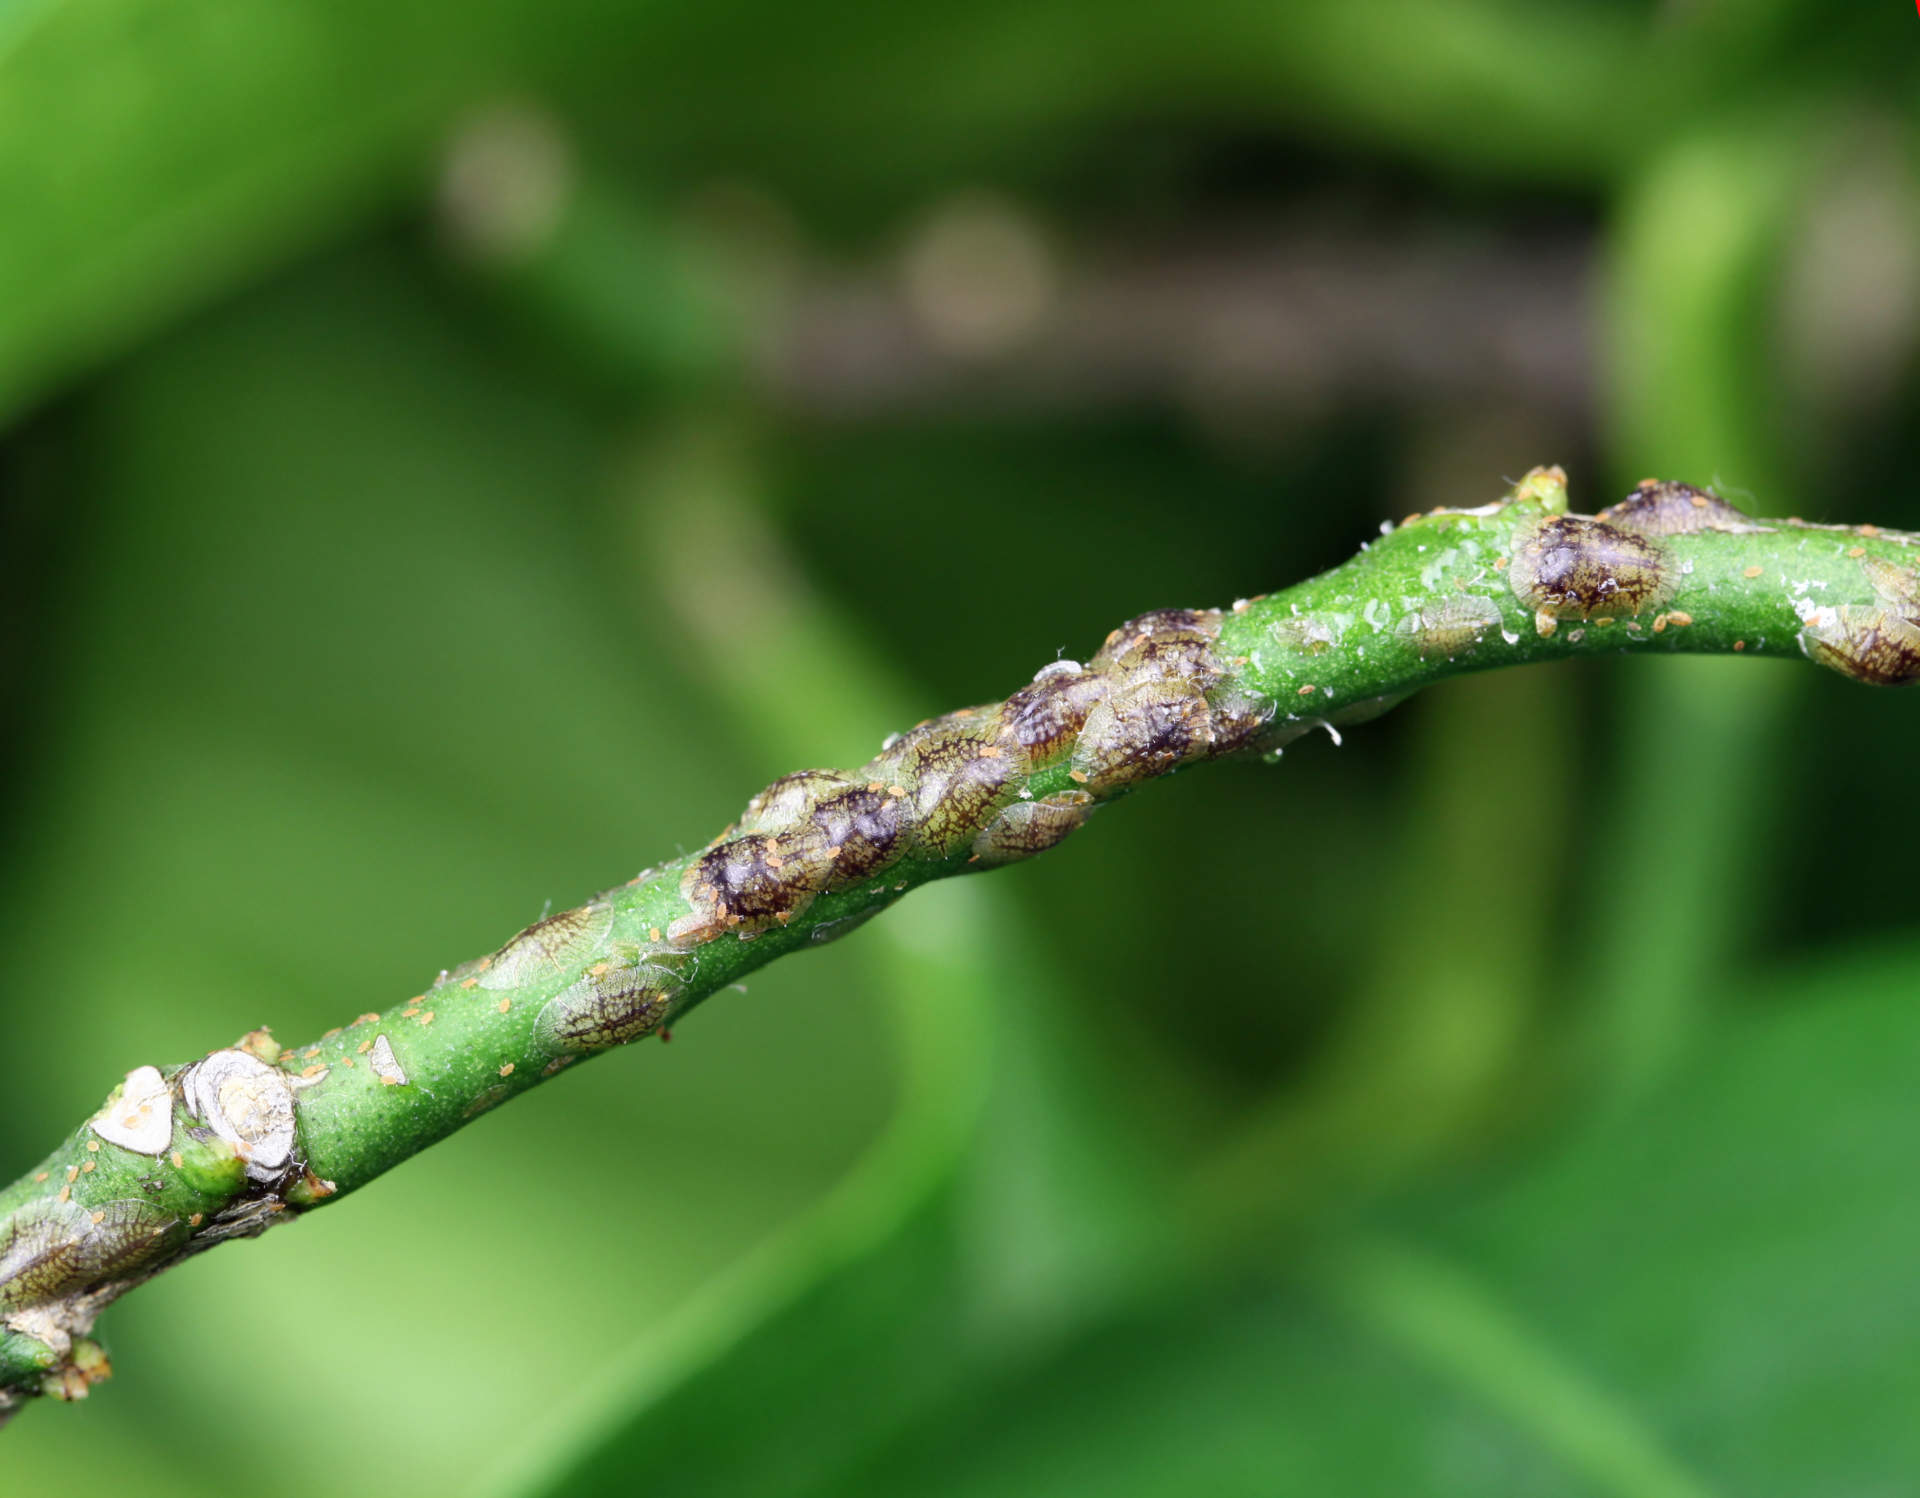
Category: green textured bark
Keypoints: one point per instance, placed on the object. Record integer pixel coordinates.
(181, 1158)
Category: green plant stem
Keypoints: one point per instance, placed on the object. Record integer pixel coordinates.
(181, 1158)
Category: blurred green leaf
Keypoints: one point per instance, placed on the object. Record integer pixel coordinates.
(1713, 1294)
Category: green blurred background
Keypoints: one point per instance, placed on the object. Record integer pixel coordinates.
(455, 453)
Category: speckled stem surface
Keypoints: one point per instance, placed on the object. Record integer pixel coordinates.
(180, 1158)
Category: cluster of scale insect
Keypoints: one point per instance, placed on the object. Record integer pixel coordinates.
(1615, 564)
(1583, 567)
(953, 791)
(622, 996)
(1659, 508)
(54, 1247)
(1876, 643)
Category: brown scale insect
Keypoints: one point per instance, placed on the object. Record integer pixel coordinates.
(784, 811)
(1029, 827)
(1167, 645)
(1873, 645)
(744, 885)
(45, 1253)
(1876, 644)
(1140, 731)
(622, 1004)
(1574, 567)
(1307, 633)
(895, 763)
(547, 947)
(1453, 625)
(1899, 586)
(1658, 508)
(1184, 654)
(1162, 626)
(1156, 715)
(1142, 708)
(858, 831)
(52, 1247)
(785, 805)
(1045, 716)
(1237, 720)
(958, 771)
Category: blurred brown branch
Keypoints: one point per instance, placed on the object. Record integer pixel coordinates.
(1224, 322)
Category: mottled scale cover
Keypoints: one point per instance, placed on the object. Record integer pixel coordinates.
(1173, 645)
(1453, 625)
(1309, 634)
(745, 885)
(955, 777)
(1046, 716)
(1878, 645)
(1141, 731)
(1237, 719)
(43, 1253)
(1873, 645)
(51, 1247)
(786, 805)
(860, 832)
(1168, 626)
(1899, 586)
(1658, 508)
(1028, 827)
(548, 947)
(607, 1009)
(1576, 567)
